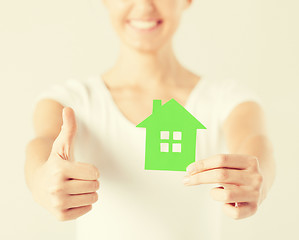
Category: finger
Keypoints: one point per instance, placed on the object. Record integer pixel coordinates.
(244, 209)
(238, 194)
(219, 175)
(74, 213)
(64, 141)
(81, 170)
(78, 200)
(229, 186)
(81, 186)
(238, 161)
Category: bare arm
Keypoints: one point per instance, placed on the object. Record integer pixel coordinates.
(245, 133)
(65, 188)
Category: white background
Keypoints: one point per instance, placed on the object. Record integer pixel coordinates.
(46, 42)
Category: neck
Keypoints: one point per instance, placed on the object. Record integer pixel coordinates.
(140, 68)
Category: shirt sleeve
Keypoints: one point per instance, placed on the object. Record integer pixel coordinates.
(71, 93)
(68, 93)
(234, 93)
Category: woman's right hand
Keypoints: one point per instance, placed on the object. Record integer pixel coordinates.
(64, 187)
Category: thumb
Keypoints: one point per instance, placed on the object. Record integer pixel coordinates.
(64, 142)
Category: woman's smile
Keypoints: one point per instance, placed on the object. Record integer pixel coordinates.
(144, 26)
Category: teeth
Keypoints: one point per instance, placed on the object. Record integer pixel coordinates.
(143, 24)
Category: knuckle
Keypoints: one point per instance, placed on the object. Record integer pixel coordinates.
(91, 168)
(253, 162)
(199, 164)
(56, 190)
(256, 194)
(256, 187)
(222, 159)
(228, 196)
(222, 175)
(96, 184)
(260, 179)
(92, 185)
(95, 197)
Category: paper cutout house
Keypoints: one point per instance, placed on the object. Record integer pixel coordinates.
(170, 137)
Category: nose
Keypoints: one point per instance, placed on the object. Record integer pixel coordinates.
(144, 5)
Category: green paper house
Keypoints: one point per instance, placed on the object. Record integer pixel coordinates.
(170, 137)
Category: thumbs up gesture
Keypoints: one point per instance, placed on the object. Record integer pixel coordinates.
(63, 186)
(63, 144)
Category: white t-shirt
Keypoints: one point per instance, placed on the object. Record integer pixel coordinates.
(145, 204)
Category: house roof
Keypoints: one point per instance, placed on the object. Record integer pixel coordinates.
(170, 115)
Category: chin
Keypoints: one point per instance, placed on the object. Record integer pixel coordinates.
(144, 45)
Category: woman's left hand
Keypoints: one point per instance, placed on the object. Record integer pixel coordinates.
(239, 174)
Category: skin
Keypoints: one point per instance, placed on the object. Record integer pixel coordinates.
(248, 172)
(64, 187)
(147, 68)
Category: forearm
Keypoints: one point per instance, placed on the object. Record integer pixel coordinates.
(261, 147)
(37, 153)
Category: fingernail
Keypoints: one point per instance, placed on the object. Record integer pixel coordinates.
(189, 168)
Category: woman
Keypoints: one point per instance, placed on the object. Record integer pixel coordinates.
(99, 128)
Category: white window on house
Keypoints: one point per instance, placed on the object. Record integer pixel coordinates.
(177, 135)
(164, 134)
(176, 147)
(164, 147)
(175, 141)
